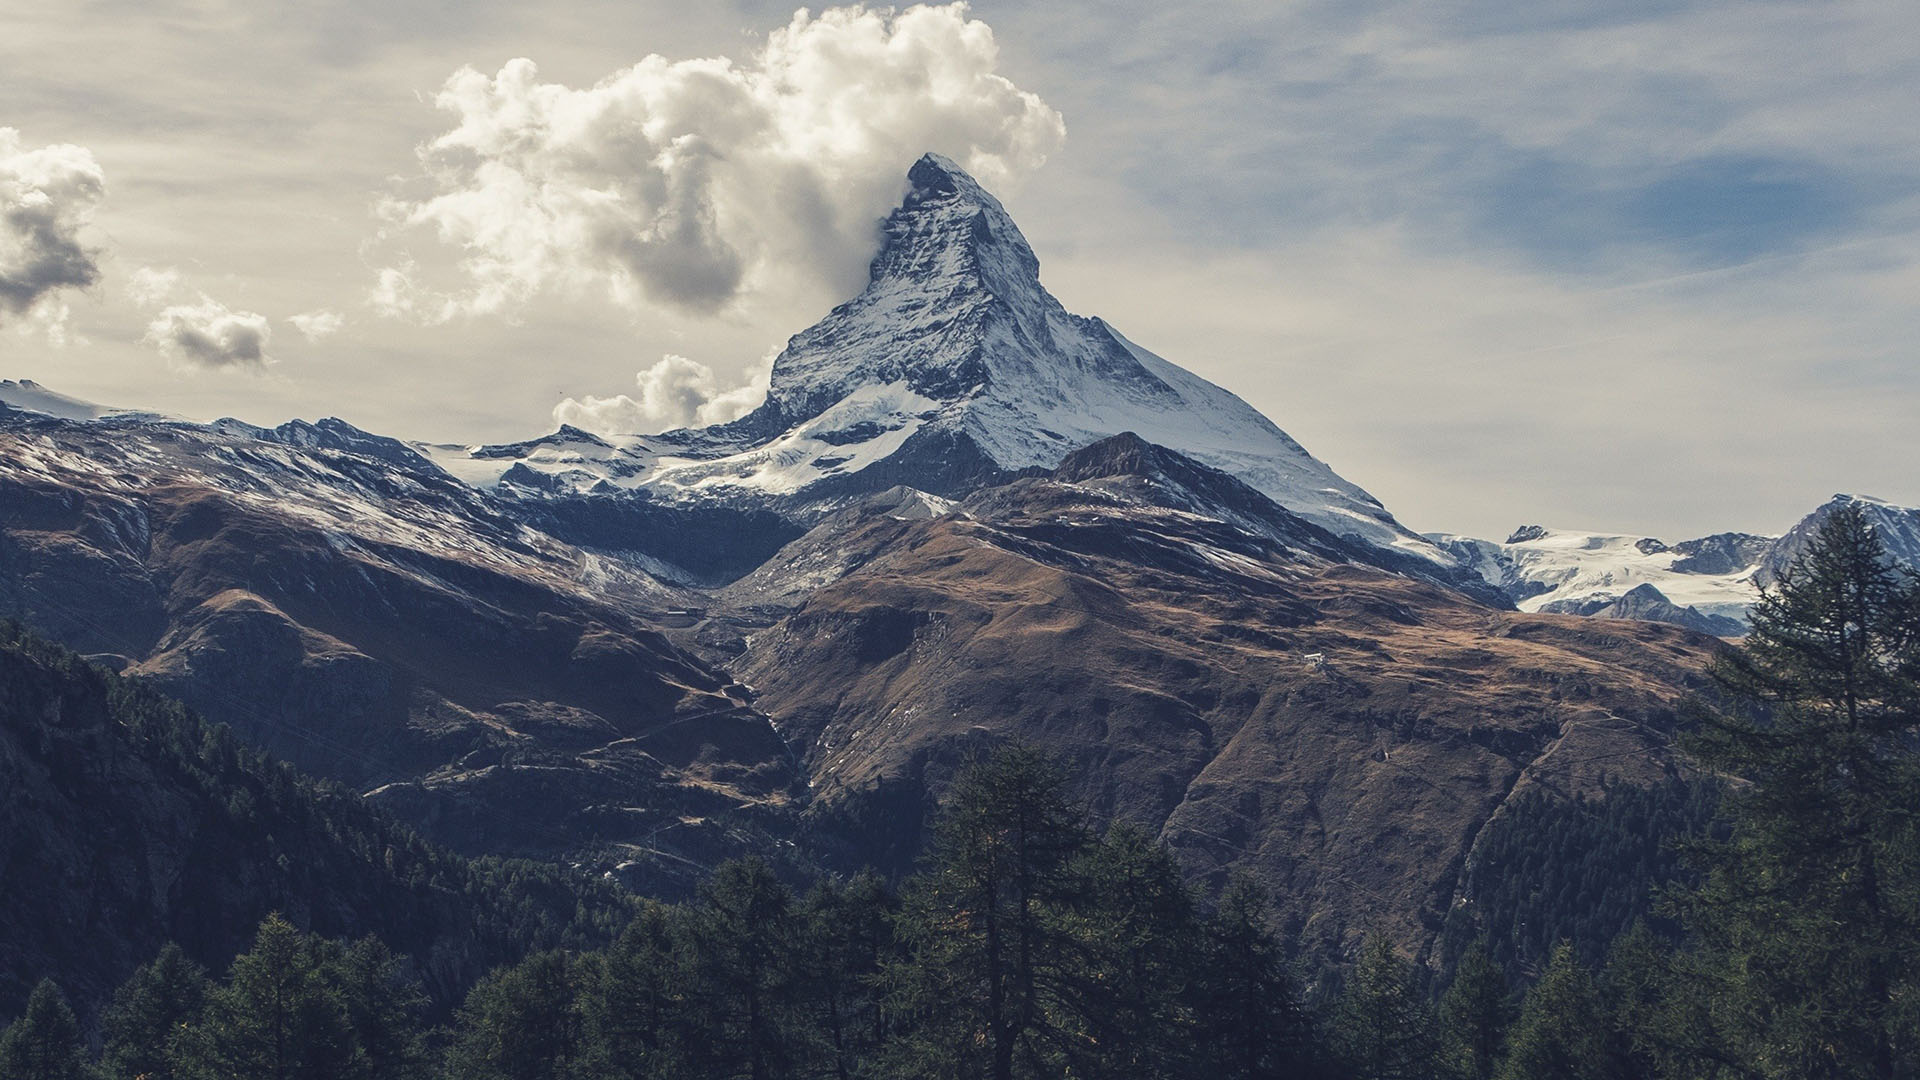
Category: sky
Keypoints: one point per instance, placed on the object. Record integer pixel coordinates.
(1647, 267)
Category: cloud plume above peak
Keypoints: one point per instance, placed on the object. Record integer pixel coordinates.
(690, 183)
(47, 196)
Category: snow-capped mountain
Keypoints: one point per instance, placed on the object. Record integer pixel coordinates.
(953, 368)
(1580, 573)
(1706, 584)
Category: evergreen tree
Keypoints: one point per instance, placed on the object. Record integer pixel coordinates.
(635, 1009)
(1562, 1032)
(743, 937)
(519, 1023)
(383, 1006)
(1251, 1022)
(1474, 1014)
(1809, 942)
(275, 1018)
(1382, 1028)
(986, 982)
(44, 1044)
(1136, 936)
(160, 1000)
(849, 936)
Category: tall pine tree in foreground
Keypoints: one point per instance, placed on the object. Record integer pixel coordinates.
(987, 983)
(1382, 1028)
(1474, 1014)
(44, 1044)
(160, 1001)
(1808, 920)
(1252, 1025)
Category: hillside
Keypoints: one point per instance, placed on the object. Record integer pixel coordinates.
(126, 823)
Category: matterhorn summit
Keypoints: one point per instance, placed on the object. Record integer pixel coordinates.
(953, 368)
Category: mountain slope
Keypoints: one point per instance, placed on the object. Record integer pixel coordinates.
(124, 824)
(343, 603)
(952, 369)
(1335, 729)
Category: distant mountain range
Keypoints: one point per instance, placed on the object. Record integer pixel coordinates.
(1705, 584)
(963, 516)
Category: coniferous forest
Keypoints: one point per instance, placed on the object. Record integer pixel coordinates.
(1774, 932)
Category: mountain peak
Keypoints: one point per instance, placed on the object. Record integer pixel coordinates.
(951, 233)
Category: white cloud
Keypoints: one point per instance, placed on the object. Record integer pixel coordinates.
(47, 196)
(317, 325)
(209, 335)
(674, 393)
(151, 286)
(690, 183)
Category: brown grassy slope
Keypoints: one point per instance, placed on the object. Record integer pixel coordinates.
(1174, 681)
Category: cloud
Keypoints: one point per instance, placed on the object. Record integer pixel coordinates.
(149, 286)
(47, 196)
(691, 183)
(209, 335)
(674, 393)
(317, 325)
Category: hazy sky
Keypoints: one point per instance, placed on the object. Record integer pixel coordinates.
(1648, 266)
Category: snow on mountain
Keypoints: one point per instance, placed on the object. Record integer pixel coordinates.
(954, 367)
(1718, 577)
(30, 396)
(1897, 526)
(1543, 569)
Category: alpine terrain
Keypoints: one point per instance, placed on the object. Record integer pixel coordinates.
(963, 518)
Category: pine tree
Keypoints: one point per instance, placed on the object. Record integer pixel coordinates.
(383, 1006)
(1474, 1014)
(44, 1044)
(744, 951)
(635, 1009)
(1382, 1028)
(1136, 937)
(162, 998)
(274, 1018)
(848, 937)
(1808, 941)
(1252, 1025)
(520, 1023)
(986, 979)
(1562, 1032)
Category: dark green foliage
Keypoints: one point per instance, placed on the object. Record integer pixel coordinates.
(1549, 870)
(1475, 1012)
(989, 981)
(1249, 1019)
(44, 1044)
(103, 762)
(848, 938)
(277, 1015)
(1563, 1032)
(1382, 1027)
(1136, 932)
(160, 1001)
(524, 1022)
(744, 944)
(636, 999)
(1807, 941)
